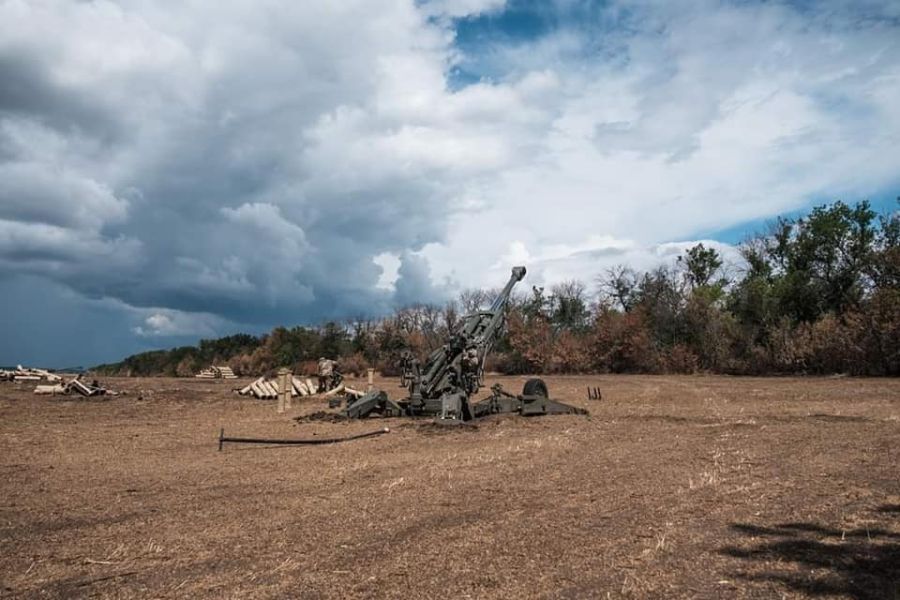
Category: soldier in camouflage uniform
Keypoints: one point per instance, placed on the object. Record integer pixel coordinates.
(326, 371)
(470, 365)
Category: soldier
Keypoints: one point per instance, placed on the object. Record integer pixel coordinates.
(406, 368)
(470, 359)
(326, 370)
(469, 364)
(336, 376)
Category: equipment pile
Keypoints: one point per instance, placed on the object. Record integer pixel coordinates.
(215, 372)
(267, 389)
(25, 374)
(75, 386)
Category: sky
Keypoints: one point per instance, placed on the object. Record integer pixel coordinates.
(177, 171)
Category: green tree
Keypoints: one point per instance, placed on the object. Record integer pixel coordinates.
(660, 295)
(701, 264)
(569, 306)
(885, 266)
(334, 340)
(822, 261)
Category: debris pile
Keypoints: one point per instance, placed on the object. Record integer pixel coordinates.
(25, 374)
(266, 389)
(55, 389)
(75, 386)
(215, 372)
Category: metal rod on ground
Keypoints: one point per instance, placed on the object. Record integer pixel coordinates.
(310, 442)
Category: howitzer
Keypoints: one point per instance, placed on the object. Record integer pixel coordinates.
(451, 375)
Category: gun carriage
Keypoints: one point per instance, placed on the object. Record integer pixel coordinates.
(445, 384)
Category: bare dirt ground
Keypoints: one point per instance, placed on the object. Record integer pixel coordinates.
(693, 487)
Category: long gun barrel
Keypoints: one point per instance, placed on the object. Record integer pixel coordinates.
(458, 364)
(495, 313)
(486, 337)
(518, 273)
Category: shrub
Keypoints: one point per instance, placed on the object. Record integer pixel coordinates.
(622, 343)
(355, 365)
(681, 359)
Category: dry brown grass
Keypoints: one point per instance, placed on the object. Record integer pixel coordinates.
(672, 487)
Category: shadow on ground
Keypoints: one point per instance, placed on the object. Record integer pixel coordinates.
(862, 563)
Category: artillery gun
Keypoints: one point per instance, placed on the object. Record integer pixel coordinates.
(445, 384)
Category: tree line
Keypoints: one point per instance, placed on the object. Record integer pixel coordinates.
(815, 294)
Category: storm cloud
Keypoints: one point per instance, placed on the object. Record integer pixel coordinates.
(172, 172)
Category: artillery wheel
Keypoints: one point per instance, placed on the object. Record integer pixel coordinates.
(535, 387)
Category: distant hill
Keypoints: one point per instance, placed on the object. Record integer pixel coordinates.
(51, 369)
(357, 345)
(182, 361)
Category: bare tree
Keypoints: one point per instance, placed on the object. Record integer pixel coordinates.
(618, 286)
(450, 316)
(473, 300)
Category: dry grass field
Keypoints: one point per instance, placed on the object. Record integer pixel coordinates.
(673, 487)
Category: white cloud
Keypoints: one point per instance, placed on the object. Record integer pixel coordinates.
(390, 268)
(460, 8)
(705, 117)
(56, 195)
(248, 160)
(169, 323)
(268, 227)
